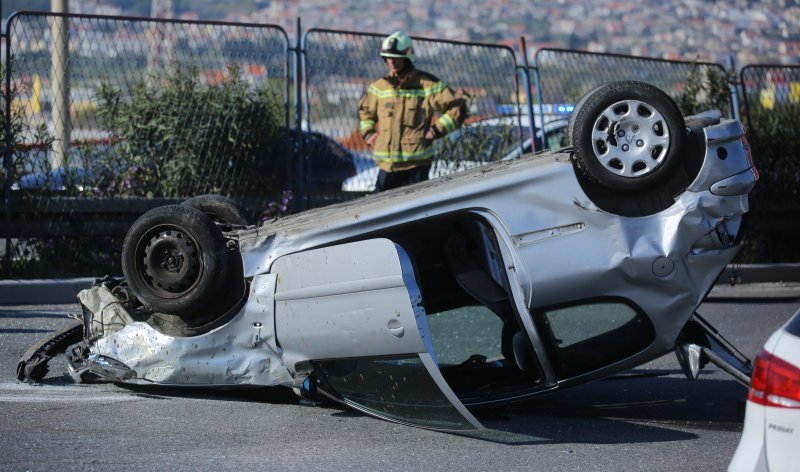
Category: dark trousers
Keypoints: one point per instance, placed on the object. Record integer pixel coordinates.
(390, 180)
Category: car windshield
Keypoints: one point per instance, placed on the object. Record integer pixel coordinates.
(481, 143)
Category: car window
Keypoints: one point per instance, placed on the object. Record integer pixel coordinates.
(512, 143)
(337, 151)
(586, 336)
(328, 164)
(557, 139)
(476, 143)
(463, 332)
(319, 148)
(793, 326)
(411, 394)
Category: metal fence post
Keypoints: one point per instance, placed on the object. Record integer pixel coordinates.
(59, 79)
(748, 121)
(302, 195)
(538, 82)
(528, 96)
(7, 151)
(307, 151)
(732, 87)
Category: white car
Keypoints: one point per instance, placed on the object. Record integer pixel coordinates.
(771, 436)
(486, 141)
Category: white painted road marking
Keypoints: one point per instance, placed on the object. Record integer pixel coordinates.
(26, 393)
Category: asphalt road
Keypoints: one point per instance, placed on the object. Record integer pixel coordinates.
(650, 418)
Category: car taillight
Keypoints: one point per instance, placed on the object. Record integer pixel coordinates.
(775, 382)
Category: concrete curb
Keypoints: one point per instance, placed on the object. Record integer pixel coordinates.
(42, 291)
(758, 273)
(755, 291)
(756, 281)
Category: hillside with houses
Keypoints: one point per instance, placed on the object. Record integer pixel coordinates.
(749, 31)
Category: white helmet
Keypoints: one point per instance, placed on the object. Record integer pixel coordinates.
(397, 44)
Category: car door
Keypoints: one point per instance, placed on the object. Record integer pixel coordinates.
(353, 315)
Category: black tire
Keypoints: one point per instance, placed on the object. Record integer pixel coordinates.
(627, 136)
(176, 261)
(225, 212)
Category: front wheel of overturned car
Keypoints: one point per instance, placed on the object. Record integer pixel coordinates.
(627, 136)
(177, 261)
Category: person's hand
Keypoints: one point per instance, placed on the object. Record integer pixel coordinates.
(370, 140)
(429, 135)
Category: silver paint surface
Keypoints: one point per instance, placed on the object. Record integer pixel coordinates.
(556, 244)
(243, 351)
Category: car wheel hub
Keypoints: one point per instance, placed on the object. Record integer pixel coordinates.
(171, 262)
(630, 138)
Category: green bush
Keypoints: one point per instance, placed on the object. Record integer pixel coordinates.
(171, 136)
(178, 137)
(704, 92)
(775, 143)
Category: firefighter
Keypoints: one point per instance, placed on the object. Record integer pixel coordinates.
(396, 116)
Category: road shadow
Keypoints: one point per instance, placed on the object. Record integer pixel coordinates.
(639, 407)
(247, 394)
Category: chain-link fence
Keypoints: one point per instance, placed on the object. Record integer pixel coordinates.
(340, 66)
(106, 117)
(771, 96)
(109, 116)
(564, 76)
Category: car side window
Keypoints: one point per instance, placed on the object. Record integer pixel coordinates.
(397, 388)
(336, 151)
(476, 329)
(588, 335)
(325, 153)
(793, 326)
(557, 139)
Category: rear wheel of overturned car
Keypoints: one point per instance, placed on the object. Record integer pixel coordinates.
(627, 136)
(177, 261)
(225, 212)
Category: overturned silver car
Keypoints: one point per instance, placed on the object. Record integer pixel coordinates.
(497, 284)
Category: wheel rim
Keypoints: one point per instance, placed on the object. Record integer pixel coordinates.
(168, 261)
(630, 139)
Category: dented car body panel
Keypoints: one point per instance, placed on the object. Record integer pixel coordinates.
(243, 351)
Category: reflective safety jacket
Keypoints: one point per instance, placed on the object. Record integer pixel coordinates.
(401, 111)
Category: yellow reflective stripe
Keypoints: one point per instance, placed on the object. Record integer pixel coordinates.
(435, 88)
(364, 125)
(403, 156)
(375, 91)
(447, 122)
(390, 93)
